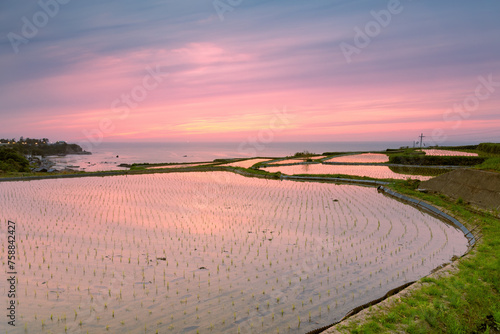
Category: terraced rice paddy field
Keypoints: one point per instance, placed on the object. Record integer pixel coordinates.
(181, 165)
(361, 158)
(447, 153)
(296, 160)
(245, 163)
(379, 172)
(210, 252)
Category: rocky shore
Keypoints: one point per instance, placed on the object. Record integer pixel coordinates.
(44, 165)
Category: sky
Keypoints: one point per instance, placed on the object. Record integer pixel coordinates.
(228, 70)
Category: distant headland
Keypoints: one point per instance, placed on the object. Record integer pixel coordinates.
(23, 155)
(42, 147)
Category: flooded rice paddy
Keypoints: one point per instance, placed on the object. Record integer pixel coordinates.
(296, 160)
(379, 172)
(210, 252)
(445, 153)
(181, 165)
(245, 163)
(361, 158)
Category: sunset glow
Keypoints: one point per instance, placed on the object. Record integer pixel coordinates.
(177, 71)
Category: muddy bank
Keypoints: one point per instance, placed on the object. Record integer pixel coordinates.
(477, 187)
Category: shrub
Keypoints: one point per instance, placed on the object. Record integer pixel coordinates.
(492, 164)
(304, 154)
(411, 184)
(489, 147)
(12, 161)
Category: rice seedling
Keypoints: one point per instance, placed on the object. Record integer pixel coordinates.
(379, 172)
(446, 153)
(254, 242)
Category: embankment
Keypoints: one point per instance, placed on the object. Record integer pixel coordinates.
(480, 188)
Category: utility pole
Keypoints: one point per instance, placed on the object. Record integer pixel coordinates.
(421, 139)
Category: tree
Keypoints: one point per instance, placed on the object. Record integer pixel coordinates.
(13, 161)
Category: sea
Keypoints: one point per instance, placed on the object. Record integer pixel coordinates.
(109, 155)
